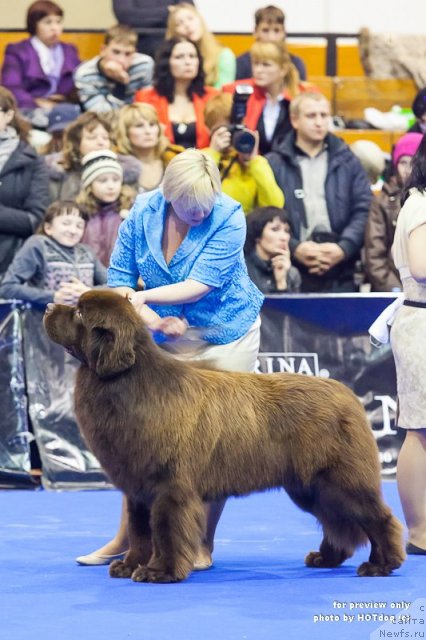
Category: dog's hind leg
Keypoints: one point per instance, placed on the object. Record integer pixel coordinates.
(177, 522)
(350, 517)
(333, 550)
(385, 533)
(368, 518)
(140, 544)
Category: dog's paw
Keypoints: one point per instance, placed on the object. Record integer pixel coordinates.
(119, 569)
(317, 560)
(369, 570)
(144, 574)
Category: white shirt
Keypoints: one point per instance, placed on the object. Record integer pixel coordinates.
(271, 113)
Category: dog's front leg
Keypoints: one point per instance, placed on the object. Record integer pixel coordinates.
(177, 523)
(140, 544)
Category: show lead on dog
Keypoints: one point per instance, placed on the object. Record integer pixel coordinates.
(186, 243)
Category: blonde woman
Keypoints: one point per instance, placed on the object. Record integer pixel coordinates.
(186, 243)
(139, 133)
(219, 62)
(275, 82)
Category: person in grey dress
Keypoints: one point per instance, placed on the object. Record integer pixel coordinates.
(407, 339)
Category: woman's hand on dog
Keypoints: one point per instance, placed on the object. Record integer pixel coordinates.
(171, 326)
(138, 301)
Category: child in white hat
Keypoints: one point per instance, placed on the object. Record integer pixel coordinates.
(106, 200)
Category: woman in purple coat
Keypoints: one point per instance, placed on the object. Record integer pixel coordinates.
(39, 70)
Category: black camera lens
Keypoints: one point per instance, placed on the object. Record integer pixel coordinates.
(243, 141)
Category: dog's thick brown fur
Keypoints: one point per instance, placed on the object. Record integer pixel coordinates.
(172, 434)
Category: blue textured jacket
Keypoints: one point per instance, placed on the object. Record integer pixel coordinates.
(211, 253)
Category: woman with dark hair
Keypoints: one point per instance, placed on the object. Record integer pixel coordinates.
(267, 251)
(39, 70)
(419, 110)
(179, 93)
(407, 337)
(23, 182)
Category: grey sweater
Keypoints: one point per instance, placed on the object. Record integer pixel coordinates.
(40, 266)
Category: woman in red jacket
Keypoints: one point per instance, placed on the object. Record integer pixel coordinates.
(179, 94)
(275, 82)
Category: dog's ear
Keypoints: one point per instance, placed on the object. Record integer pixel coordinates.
(112, 350)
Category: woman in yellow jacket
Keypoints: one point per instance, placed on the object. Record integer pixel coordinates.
(246, 176)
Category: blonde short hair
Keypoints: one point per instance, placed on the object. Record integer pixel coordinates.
(301, 97)
(130, 115)
(192, 179)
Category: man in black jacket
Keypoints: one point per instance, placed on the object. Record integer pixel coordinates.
(148, 18)
(327, 197)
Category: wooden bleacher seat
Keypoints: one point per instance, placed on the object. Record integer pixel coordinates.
(325, 84)
(313, 55)
(88, 43)
(353, 95)
(348, 94)
(384, 139)
(348, 60)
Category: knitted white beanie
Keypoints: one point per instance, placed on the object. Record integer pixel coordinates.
(98, 162)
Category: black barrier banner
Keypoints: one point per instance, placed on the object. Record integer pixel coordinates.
(311, 335)
(327, 336)
(15, 437)
(50, 374)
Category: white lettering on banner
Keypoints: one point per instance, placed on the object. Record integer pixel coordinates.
(304, 363)
(388, 406)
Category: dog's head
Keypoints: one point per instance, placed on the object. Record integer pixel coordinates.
(100, 331)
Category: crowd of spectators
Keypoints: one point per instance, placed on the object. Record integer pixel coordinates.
(114, 122)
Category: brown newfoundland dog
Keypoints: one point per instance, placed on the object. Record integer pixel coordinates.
(173, 434)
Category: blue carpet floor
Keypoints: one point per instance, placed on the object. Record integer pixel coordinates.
(258, 589)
